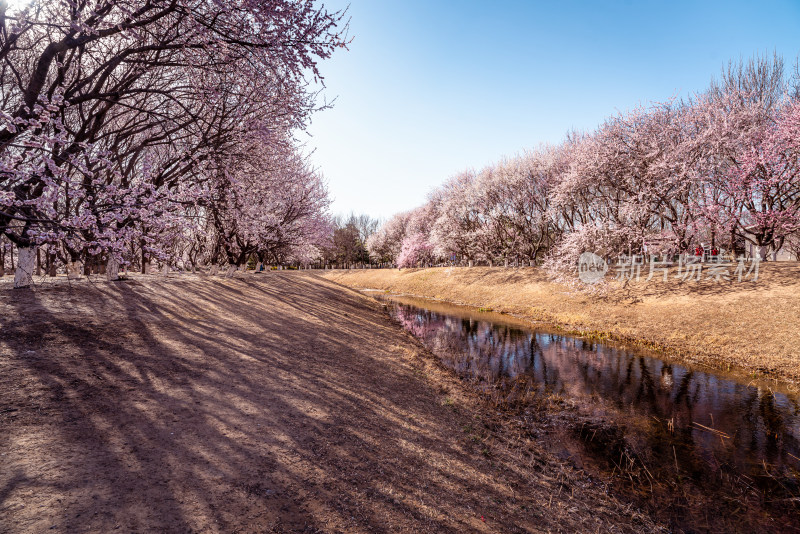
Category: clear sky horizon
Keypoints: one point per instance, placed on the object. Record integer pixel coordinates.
(430, 88)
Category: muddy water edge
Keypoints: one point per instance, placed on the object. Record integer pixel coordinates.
(701, 451)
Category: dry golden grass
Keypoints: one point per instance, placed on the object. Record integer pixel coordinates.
(746, 327)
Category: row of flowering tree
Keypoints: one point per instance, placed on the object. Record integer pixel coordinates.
(142, 130)
(721, 169)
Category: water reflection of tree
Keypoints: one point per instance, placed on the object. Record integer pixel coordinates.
(620, 380)
(773, 423)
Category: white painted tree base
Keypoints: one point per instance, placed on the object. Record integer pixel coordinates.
(112, 270)
(26, 265)
(74, 270)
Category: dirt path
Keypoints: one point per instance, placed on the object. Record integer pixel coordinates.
(277, 402)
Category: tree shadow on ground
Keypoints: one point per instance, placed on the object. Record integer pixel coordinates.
(276, 403)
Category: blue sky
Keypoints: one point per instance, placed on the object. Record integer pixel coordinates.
(429, 88)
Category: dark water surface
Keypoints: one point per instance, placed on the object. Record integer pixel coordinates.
(723, 424)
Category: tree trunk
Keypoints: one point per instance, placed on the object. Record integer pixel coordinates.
(470, 263)
(112, 269)
(165, 270)
(231, 270)
(26, 264)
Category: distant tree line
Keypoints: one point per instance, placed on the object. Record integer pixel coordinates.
(720, 169)
(348, 243)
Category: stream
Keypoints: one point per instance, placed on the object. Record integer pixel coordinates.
(704, 425)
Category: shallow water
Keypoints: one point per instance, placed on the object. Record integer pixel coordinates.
(720, 424)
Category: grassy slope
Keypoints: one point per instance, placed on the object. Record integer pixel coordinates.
(747, 326)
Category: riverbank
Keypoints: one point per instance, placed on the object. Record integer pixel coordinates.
(271, 402)
(747, 327)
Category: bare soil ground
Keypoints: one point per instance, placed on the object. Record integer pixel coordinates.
(277, 402)
(749, 327)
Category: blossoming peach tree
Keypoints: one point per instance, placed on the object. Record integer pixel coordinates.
(117, 116)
